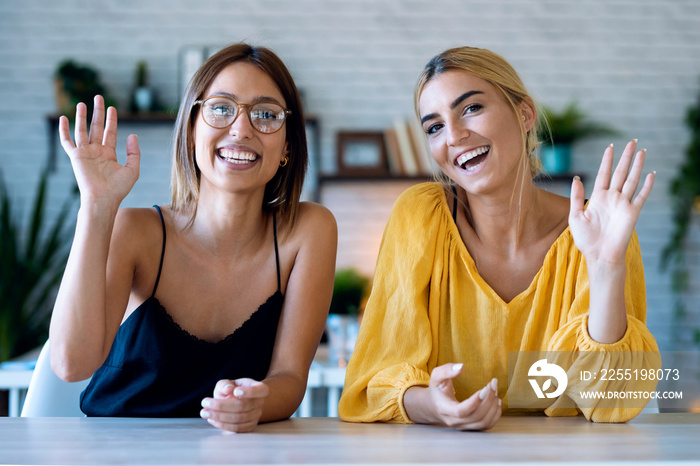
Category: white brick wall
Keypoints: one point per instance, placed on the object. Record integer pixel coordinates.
(635, 64)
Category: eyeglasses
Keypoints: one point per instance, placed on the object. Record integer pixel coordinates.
(220, 112)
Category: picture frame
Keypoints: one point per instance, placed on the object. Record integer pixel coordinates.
(362, 154)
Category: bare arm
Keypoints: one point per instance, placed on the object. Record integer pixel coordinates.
(240, 405)
(81, 322)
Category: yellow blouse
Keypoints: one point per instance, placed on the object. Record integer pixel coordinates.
(429, 306)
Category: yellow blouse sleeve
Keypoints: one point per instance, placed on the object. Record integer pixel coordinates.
(395, 343)
(637, 349)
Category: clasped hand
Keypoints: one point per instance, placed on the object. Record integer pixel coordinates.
(236, 405)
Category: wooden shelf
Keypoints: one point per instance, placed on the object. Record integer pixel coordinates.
(564, 177)
(158, 118)
(351, 178)
(151, 118)
(330, 178)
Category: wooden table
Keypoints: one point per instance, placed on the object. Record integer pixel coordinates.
(653, 438)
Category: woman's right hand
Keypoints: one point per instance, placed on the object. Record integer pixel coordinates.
(439, 404)
(101, 178)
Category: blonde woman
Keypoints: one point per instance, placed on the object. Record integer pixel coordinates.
(492, 264)
(212, 306)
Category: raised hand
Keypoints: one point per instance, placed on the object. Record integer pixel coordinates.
(236, 405)
(478, 412)
(101, 178)
(603, 230)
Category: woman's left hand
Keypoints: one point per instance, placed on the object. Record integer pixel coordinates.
(236, 405)
(603, 230)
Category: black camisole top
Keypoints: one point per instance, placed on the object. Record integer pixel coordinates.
(157, 369)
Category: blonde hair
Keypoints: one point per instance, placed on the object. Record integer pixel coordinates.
(283, 192)
(495, 70)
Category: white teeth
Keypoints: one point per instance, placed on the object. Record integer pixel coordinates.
(237, 157)
(462, 159)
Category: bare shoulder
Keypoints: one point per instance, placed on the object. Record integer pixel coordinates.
(140, 219)
(135, 249)
(310, 245)
(314, 219)
(137, 230)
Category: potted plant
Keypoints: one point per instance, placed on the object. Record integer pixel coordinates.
(563, 129)
(685, 197)
(31, 266)
(74, 83)
(349, 290)
(349, 293)
(142, 99)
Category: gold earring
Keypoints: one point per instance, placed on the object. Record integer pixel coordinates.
(284, 162)
(522, 117)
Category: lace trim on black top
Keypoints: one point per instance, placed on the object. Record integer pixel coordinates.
(195, 338)
(177, 326)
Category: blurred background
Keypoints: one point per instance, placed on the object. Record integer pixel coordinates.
(630, 65)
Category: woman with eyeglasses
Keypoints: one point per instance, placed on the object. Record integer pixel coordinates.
(214, 305)
(478, 270)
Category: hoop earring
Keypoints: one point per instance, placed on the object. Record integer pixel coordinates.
(284, 162)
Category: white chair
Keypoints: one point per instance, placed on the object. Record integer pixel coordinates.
(49, 396)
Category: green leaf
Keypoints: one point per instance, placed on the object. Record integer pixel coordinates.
(31, 271)
(571, 125)
(349, 289)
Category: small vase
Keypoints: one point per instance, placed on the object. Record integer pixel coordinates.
(342, 333)
(143, 99)
(556, 160)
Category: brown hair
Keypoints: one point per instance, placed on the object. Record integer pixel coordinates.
(494, 69)
(282, 193)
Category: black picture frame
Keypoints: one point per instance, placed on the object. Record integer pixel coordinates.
(362, 154)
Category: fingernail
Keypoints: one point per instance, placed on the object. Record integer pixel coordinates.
(635, 140)
(499, 402)
(494, 385)
(484, 392)
(577, 178)
(644, 150)
(238, 392)
(204, 413)
(611, 145)
(654, 173)
(206, 403)
(457, 367)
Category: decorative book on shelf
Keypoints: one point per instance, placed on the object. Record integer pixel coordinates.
(408, 153)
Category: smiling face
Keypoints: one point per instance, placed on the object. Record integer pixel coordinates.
(239, 157)
(475, 136)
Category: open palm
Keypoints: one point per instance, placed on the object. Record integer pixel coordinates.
(603, 230)
(100, 177)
